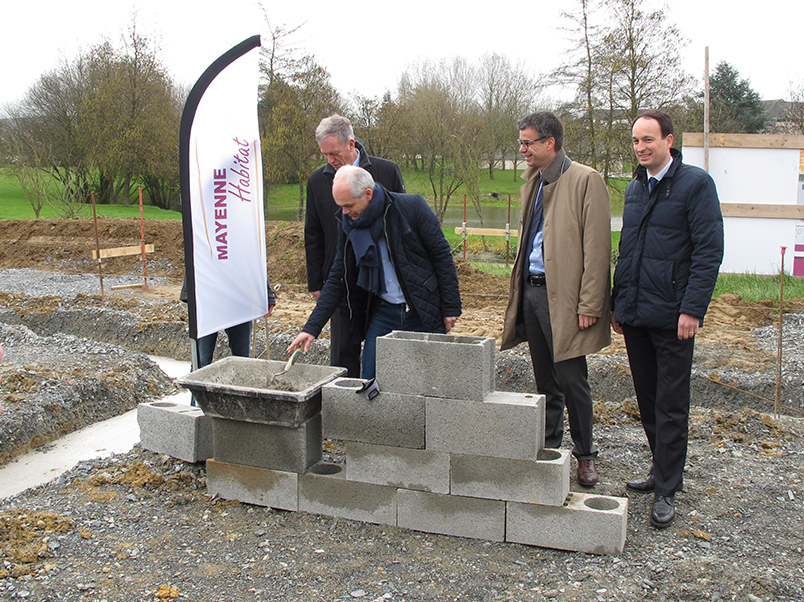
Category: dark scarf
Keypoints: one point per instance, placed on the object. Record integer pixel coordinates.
(364, 233)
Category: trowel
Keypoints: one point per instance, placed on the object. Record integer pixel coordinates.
(291, 360)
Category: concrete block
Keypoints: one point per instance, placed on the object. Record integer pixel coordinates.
(175, 429)
(543, 481)
(451, 515)
(436, 365)
(505, 425)
(388, 419)
(267, 445)
(259, 486)
(333, 495)
(594, 524)
(399, 467)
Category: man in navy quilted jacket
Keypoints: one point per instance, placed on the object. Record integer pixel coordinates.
(393, 265)
(336, 139)
(671, 248)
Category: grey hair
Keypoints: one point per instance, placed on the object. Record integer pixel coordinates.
(547, 124)
(357, 178)
(335, 125)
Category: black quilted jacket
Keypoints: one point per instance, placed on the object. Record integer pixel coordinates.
(421, 257)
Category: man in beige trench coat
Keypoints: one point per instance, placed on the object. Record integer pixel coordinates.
(560, 290)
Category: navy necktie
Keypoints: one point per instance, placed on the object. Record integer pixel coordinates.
(652, 184)
(538, 210)
(535, 220)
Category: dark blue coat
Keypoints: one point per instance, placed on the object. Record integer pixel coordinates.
(671, 247)
(422, 260)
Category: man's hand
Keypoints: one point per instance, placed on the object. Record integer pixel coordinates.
(585, 322)
(616, 325)
(304, 340)
(688, 326)
(449, 323)
(315, 294)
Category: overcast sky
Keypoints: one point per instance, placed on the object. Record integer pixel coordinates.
(368, 44)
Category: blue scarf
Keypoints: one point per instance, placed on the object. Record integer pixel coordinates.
(364, 233)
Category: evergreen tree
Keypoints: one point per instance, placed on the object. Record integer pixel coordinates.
(734, 107)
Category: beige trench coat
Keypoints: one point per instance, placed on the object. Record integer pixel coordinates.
(577, 259)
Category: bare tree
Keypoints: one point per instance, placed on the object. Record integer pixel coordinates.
(366, 115)
(644, 50)
(131, 119)
(29, 163)
(505, 93)
(794, 115)
(626, 60)
(436, 98)
(583, 71)
(292, 107)
(48, 119)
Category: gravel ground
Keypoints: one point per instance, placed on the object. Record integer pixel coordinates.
(140, 526)
(53, 385)
(36, 283)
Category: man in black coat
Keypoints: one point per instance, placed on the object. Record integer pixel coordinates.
(393, 264)
(670, 252)
(336, 139)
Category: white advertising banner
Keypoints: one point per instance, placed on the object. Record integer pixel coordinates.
(225, 258)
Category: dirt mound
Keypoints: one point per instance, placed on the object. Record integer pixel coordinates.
(67, 245)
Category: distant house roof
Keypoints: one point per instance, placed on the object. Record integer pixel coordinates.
(777, 110)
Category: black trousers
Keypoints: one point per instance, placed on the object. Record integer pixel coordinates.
(562, 383)
(343, 351)
(660, 367)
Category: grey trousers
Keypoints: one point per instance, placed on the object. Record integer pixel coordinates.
(562, 383)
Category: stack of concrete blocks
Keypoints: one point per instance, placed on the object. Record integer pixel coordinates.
(175, 429)
(438, 450)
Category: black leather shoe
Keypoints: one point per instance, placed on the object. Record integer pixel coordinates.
(663, 513)
(642, 485)
(647, 485)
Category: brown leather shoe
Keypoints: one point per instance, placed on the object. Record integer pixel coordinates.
(587, 473)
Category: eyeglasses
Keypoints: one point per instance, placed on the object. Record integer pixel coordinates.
(527, 143)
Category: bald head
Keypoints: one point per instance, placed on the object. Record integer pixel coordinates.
(352, 190)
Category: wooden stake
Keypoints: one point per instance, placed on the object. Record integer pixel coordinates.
(267, 341)
(778, 405)
(508, 232)
(253, 338)
(97, 242)
(142, 241)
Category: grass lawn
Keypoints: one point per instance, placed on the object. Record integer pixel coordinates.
(759, 287)
(15, 205)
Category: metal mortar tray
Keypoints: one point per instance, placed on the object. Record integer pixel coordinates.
(236, 388)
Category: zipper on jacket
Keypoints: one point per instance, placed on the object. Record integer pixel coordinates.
(345, 280)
